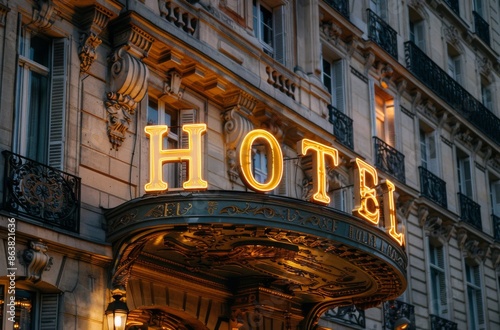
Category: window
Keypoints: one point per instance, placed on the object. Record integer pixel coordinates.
(479, 8)
(159, 114)
(33, 310)
(259, 163)
(41, 99)
(437, 281)
(495, 196)
(417, 31)
(474, 297)
(454, 65)
(332, 77)
(384, 115)
(428, 152)
(464, 174)
(269, 29)
(379, 7)
(486, 96)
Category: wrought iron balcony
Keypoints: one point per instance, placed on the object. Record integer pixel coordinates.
(496, 227)
(382, 34)
(453, 4)
(349, 315)
(389, 160)
(433, 187)
(342, 6)
(342, 126)
(482, 28)
(41, 192)
(395, 310)
(470, 211)
(438, 323)
(451, 92)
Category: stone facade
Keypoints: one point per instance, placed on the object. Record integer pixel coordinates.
(410, 87)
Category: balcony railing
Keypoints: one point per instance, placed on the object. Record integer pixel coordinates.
(41, 192)
(395, 310)
(382, 34)
(451, 92)
(453, 4)
(438, 323)
(433, 187)
(389, 160)
(349, 315)
(482, 28)
(342, 6)
(496, 227)
(470, 211)
(342, 126)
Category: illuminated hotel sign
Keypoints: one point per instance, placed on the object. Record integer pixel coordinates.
(367, 205)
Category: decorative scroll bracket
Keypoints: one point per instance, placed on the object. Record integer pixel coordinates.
(129, 80)
(36, 260)
(97, 18)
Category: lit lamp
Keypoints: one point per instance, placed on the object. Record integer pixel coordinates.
(402, 323)
(117, 312)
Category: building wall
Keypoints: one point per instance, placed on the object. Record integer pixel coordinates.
(226, 58)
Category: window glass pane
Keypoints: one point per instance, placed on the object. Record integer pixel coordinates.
(152, 113)
(25, 304)
(37, 129)
(327, 78)
(39, 50)
(266, 26)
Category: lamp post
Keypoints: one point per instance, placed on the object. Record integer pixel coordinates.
(117, 311)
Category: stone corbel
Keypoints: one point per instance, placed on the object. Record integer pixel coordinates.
(239, 107)
(476, 252)
(129, 81)
(370, 59)
(331, 31)
(44, 14)
(495, 257)
(423, 214)
(36, 260)
(96, 20)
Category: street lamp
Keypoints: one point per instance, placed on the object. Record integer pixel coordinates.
(117, 312)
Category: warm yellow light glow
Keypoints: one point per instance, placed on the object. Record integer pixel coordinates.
(365, 181)
(274, 158)
(158, 156)
(118, 321)
(390, 211)
(321, 152)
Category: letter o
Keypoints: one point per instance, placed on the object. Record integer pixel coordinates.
(275, 169)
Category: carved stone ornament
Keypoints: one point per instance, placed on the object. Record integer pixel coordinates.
(485, 67)
(451, 35)
(129, 81)
(36, 260)
(330, 30)
(417, 4)
(44, 14)
(97, 19)
(236, 125)
(172, 86)
(4, 9)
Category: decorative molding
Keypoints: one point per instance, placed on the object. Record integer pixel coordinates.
(136, 40)
(36, 260)
(172, 86)
(359, 75)
(281, 82)
(485, 67)
(96, 18)
(407, 112)
(236, 126)
(438, 232)
(480, 167)
(331, 31)
(44, 14)
(447, 142)
(4, 9)
(129, 81)
(452, 35)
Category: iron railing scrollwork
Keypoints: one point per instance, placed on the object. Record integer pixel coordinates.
(389, 160)
(453, 4)
(470, 211)
(342, 6)
(439, 323)
(395, 310)
(349, 315)
(433, 187)
(382, 34)
(41, 192)
(342, 126)
(496, 227)
(482, 28)
(451, 91)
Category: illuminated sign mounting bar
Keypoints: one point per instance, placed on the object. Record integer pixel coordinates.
(367, 205)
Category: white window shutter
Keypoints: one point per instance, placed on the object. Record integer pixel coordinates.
(420, 35)
(432, 153)
(279, 34)
(49, 311)
(58, 104)
(338, 80)
(495, 197)
(283, 186)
